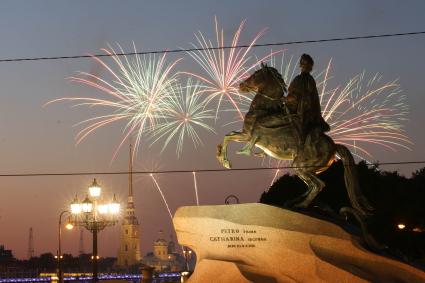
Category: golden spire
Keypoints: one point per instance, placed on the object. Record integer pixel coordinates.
(130, 175)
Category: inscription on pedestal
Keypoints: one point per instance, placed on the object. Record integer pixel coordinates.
(238, 238)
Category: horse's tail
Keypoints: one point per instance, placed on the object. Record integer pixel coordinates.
(358, 201)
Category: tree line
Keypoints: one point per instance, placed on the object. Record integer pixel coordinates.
(399, 217)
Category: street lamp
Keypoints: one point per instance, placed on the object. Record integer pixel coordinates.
(59, 256)
(187, 254)
(95, 216)
(401, 226)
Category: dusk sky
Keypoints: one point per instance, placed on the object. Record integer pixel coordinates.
(37, 139)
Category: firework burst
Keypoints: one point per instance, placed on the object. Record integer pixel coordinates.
(137, 94)
(362, 112)
(225, 66)
(366, 111)
(184, 113)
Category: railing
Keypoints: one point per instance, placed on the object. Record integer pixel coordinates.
(162, 277)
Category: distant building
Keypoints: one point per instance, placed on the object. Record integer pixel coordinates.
(6, 259)
(5, 254)
(129, 251)
(171, 248)
(164, 257)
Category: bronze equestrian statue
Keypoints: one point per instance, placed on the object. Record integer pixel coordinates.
(292, 128)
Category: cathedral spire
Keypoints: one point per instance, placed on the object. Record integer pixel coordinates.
(129, 250)
(130, 175)
(130, 204)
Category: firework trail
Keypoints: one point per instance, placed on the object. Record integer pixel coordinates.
(184, 111)
(162, 196)
(195, 184)
(275, 177)
(278, 172)
(225, 67)
(137, 94)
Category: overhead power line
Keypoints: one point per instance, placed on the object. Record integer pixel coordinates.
(216, 48)
(191, 171)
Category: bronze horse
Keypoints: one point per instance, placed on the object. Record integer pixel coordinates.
(278, 135)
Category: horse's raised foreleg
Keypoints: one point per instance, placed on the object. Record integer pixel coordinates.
(222, 148)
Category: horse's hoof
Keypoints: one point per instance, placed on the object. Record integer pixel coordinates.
(244, 152)
(226, 163)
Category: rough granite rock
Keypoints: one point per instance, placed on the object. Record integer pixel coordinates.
(261, 243)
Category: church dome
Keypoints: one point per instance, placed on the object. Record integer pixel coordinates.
(161, 241)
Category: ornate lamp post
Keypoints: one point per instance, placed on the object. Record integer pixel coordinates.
(59, 256)
(187, 255)
(95, 216)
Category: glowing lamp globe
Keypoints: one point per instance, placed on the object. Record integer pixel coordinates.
(87, 205)
(95, 189)
(103, 208)
(75, 206)
(114, 206)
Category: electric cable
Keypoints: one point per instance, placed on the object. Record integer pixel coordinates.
(191, 171)
(215, 48)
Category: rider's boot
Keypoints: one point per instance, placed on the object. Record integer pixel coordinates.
(247, 149)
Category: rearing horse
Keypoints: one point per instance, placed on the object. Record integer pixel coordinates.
(278, 136)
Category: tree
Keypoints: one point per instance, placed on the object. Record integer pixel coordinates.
(396, 199)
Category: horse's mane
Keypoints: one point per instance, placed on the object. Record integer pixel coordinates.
(275, 73)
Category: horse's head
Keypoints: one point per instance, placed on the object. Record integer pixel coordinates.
(265, 80)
